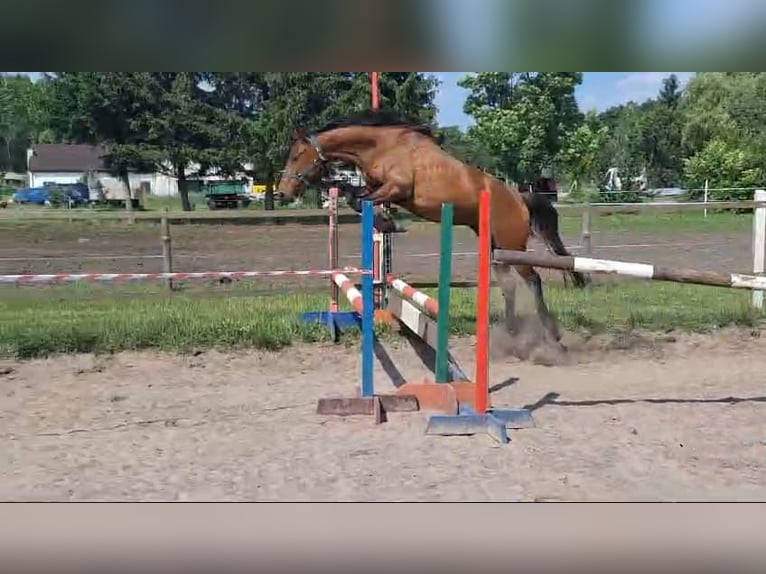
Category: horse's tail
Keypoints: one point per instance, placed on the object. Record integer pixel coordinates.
(544, 220)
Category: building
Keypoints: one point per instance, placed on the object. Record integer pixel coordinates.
(68, 163)
(11, 179)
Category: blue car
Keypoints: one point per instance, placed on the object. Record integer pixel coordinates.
(76, 192)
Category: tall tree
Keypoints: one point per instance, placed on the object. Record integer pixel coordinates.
(22, 119)
(104, 108)
(467, 149)
(646, 138)
(146, 120)
(725, 130)
(523, 118)
(580, 155)
(274, 104)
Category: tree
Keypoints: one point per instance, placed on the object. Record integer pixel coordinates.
(104, 108)
(467, 148)
(662, 127)
(724, 133)
(21, 119)
(523, 118)
(161, 121)
(646, 138)
(182, 129)
(274, 104)
(582, 150)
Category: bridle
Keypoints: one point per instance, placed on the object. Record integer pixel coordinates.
(320, 162)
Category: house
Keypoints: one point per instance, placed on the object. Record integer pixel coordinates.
(11, 179)
(69, 163)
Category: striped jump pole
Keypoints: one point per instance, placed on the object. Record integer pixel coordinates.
(130, 277)
(481, 418)
(428, 320)
(425, 301)
(348, 288)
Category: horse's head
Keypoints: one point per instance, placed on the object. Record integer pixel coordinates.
(305, 166)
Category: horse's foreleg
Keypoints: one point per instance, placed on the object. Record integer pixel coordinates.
(390, 192)
(386, 193)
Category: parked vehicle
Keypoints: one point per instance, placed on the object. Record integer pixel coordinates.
(227, 194)
(74, 194)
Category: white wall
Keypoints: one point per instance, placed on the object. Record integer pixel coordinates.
(160, 185)
(40, 178)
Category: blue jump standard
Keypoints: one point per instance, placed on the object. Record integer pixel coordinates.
(334, 321)
(468, 422)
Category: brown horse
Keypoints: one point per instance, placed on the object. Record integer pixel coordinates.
(404, 164)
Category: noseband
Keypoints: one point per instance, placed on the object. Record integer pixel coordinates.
(318, 162)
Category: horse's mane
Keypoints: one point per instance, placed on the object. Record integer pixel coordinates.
(380, 118)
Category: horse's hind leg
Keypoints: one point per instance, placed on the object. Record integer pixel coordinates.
(507, 284)
(535, 283)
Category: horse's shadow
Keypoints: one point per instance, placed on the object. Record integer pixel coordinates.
(552, 400)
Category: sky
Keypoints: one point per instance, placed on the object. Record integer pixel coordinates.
(599, 90)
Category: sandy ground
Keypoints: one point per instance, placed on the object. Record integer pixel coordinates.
(637, 418)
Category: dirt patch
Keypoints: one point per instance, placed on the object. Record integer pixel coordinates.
(668, 417)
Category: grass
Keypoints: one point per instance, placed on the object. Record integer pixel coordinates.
(81, 318)
(665, 223)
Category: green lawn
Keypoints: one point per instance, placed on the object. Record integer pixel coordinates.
(82, 318)
(660, 223)
(663, 223)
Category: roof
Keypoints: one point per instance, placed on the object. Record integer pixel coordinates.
(67, 157)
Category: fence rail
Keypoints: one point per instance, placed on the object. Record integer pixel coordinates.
(296, 215)
(302, 215)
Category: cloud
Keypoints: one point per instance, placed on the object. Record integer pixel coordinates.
(640, 86)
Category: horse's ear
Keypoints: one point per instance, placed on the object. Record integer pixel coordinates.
(300, 134)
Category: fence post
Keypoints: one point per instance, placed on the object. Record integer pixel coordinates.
(759, 244)
(167, 254)
(333, 247)
(586, 225)
(707, 184)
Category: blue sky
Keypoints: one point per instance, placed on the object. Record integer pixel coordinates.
(599, 90)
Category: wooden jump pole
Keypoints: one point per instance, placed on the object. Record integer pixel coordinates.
(333, 247)
(640, 270)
